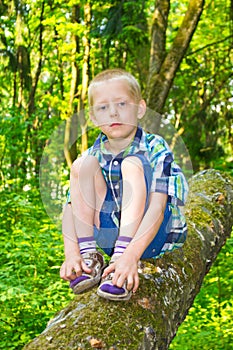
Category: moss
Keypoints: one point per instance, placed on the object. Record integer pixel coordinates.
(167, 289)
(103, 320)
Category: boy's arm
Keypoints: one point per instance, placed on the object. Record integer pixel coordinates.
(73, 264)
(126, 267)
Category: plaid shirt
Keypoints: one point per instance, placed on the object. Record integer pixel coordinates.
(167, 178)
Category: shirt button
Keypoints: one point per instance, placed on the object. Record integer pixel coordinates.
(116, 187)
(115, 162)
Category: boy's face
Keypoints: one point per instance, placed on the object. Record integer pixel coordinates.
(115, 110)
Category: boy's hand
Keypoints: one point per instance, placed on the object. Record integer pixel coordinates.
(125, 268)
(73, 267)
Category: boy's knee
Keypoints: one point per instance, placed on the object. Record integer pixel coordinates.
(132, 165)
(75, 167)
(84, 164)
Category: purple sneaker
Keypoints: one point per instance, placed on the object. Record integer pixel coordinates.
(95, 262)
(108, 291)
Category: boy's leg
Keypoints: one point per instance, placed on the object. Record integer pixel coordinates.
(87, 189)
(141, 183)
(134, 197)
(134, 200)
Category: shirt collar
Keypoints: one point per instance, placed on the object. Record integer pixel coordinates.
(137, 144)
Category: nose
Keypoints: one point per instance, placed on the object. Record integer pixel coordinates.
(113, 109)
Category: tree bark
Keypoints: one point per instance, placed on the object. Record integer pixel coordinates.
(70, 150)
(85, 76)
(168, 285)
(164, 65)
(76, 114)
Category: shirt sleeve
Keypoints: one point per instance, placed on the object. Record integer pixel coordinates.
(167, 175)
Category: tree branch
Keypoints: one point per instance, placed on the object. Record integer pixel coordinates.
(208, 45)
(158, 35)
(70, 132)
(208, 101)
(159, 83)
(31, 104)
(168, 286)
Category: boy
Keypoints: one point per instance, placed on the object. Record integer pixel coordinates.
(125, 193)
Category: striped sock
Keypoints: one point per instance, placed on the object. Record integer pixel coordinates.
(87, 245)
(120, 245)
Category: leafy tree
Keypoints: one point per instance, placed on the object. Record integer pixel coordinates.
(180, 51)
(201, 94)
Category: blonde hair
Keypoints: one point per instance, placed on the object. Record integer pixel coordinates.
(115, 74)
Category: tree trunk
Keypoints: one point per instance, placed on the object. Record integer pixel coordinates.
(71, 132)
(85, 76)
(76, 114)
(168, 285)
(164, 65)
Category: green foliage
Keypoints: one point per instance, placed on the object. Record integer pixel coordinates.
(209, 324)
(32, 291)
(200, 98)
(31, 253)
(199, 103)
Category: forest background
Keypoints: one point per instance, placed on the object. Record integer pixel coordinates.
(49, 52)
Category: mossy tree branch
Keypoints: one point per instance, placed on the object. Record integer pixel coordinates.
(168, 285)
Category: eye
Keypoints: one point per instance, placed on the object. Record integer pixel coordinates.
(122, 104)
(102, 108)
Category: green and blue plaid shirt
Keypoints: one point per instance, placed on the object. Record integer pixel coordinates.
(167, 178)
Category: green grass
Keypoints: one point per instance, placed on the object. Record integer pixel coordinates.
(32, 291)
(209, 324)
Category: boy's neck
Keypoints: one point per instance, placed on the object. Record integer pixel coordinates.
(116, 146)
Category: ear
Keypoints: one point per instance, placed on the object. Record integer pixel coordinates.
(141, 109)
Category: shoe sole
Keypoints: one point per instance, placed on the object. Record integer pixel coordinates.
(86, 285)
(113, 297)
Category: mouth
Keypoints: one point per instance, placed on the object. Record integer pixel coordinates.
(115, 124)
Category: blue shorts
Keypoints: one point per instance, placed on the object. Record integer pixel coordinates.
(108, 232)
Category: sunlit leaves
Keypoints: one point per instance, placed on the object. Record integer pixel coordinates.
(200, 102)
(202, 88)
(31, 251)
(209, 324)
